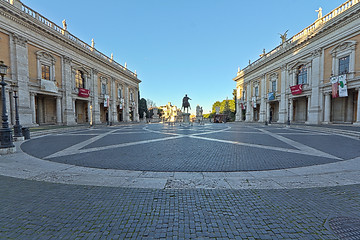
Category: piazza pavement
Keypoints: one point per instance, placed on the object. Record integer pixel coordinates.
(159, 181)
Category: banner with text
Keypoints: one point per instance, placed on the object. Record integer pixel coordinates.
(84, 92)
(296, 89)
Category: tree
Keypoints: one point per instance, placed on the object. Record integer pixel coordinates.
(143, 108)
(226, 107)
(216, 104)
(150, 103)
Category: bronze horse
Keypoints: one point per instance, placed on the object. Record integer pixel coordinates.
(186, 104)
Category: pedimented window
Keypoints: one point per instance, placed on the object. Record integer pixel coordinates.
(45, 65)
(343, 58)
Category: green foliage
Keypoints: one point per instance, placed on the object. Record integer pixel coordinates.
(143, 108)
(226, 107)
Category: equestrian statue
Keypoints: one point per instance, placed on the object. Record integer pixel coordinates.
(186, 104)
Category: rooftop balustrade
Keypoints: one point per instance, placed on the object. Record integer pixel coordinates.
(59, 30)
(307, 31)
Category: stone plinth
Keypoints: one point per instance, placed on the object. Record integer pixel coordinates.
(186, 117)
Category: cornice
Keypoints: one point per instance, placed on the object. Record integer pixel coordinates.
(289, 49)
(12, 13)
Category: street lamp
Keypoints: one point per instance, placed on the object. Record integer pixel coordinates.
(288, 121)
(17, 126)
(5, 131)
(91, 116)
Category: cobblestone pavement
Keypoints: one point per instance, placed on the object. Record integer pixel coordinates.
(42, 210)
(38, 210)
(202, 148)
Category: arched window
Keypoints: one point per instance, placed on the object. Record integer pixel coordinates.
(302, 75)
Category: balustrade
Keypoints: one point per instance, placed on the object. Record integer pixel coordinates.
(309, 30)
(30, 12)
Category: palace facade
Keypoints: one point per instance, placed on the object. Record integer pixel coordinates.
(312, 78)
(59, 78)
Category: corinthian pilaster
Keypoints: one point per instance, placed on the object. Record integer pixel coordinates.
(68, 108)
(95, 90)
(20, 72)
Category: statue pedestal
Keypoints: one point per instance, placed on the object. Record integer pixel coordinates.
(186, 117)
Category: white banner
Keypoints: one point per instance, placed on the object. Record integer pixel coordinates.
(48, 86)
(342, 86)
(106, 101)
(254, 102)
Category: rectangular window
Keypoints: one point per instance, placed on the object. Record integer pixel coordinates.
(273, 86)
(45, 72)
(344, 65)
(302, 75)
(79, 79)
(256, 91)
(103, 88)
(243, 95)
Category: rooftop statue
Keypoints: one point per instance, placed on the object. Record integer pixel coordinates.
(92, 43)
(283, 36)
(64, 24)
(319, 11)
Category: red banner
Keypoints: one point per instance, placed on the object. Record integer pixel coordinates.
(297, 89)
(334, 89)
(84, 92)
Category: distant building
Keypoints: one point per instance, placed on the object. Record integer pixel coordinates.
(59, 78)
(170, 113)
(313, 77)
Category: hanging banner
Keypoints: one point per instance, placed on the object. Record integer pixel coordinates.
(334, 86)
(271, 96)
(242, 106)
(296, 89)
(106, 101)
(254, 102)
(84, 92)
(49, 86)
(342, 86)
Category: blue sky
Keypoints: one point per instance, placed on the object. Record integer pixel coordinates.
(183, 47)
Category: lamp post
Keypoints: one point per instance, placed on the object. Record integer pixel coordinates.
(17, 126)
(91, 116)
(288, 121)
(6, 133)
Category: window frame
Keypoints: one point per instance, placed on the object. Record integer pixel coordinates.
(302, 74)
(346, 71)
(44, 58)
(79, 84)
(45, 75)
(341, 50)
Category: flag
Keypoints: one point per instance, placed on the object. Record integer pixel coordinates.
(342, 86)
(334, 86)
(254, 102)
(271, 96)
(106, 101)
(296, 89)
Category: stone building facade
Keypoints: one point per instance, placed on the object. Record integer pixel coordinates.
(59, 78)
(304, 79)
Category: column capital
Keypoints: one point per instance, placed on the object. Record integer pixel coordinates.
(67, 59)
(316, 53)
(95, 71)
(19, 40)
